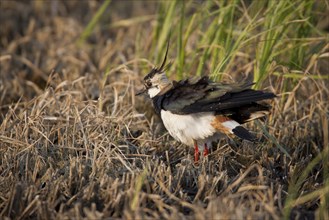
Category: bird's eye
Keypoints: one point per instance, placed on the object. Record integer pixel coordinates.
(148, 84)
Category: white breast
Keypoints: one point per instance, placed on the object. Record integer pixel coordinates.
(186, 128)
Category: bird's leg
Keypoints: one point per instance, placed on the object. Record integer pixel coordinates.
(206, 150)
(196, 152)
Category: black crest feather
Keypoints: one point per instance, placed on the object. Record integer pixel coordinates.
(156, 70)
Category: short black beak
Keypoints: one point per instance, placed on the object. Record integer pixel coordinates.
(140, 92)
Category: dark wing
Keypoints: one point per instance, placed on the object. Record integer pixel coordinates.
(202, 95)
(185, 93)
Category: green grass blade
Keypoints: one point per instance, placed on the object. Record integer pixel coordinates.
(180, 46)
(272, 139)
(91, 25)
(297, 180)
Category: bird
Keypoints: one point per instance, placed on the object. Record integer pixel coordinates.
(197, 111)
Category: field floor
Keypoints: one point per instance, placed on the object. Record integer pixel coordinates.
(76, 143)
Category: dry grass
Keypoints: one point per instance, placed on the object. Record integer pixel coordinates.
(75, 142)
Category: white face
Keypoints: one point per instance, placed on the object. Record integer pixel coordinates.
(158, 82)
(153, 91)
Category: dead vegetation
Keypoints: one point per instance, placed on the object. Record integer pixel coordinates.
(76, 143)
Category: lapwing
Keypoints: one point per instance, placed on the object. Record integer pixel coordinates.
(197, 111)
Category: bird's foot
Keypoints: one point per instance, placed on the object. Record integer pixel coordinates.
(205, 150)
(196, 152)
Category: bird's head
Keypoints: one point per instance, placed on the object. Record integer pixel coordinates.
(156, 82)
